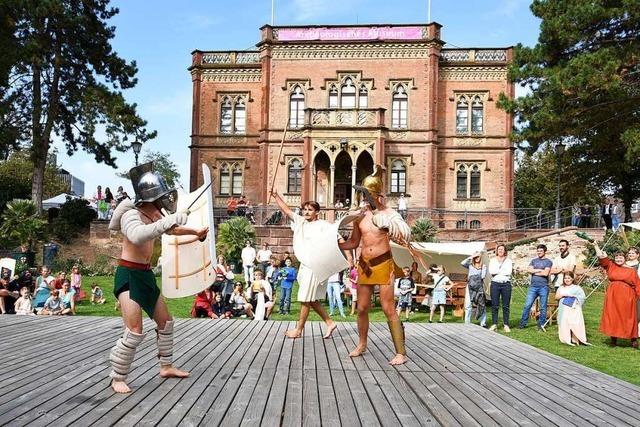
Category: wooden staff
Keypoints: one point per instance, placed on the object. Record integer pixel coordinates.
(275, 172)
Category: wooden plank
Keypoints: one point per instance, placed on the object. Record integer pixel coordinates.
(384, 412)
(434, 404)
(460, 399)
(328, 404)
(310, 395)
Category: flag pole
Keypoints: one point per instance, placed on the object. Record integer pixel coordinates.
(429, 12)
(272, 11)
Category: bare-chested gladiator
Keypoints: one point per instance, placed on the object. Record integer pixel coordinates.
(372, 233)
(135, 284)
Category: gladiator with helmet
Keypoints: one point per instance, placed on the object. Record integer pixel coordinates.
(372, 231)
(152, 214)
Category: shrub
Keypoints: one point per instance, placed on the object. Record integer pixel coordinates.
(22, 223)
(75, 216)
(232, 236)
(424, 230)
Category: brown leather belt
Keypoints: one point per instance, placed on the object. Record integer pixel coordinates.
(134, 265)
(366, 265)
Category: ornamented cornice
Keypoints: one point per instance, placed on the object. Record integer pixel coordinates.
(473, 73)
(353, 51)
(232, 75)
(473, 55)
(230, 57)
(469, 142)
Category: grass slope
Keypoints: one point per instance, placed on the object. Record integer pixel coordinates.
(621, 362)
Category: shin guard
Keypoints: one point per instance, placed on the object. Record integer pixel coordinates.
(122, 354)
(165, 343)
(397, 335)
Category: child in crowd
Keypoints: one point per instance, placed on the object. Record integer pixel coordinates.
(260, 293)
(97, 296)
(239, 304)
(406, 287)
(23, 304)
(219, 309)
(440, 288)
(571, 328)
(67, 298)
(76, 283)
(57, 282)
(288, 274)
(53, 305)
(202, 304)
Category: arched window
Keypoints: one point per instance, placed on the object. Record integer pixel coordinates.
(477, 115)
(462, 115)
(363, 97)
(226, 116)
(475, 224)
(461, 182)
(348, 98)
(233, 115)
(294, 177)
(296, 111)
(399, 108)
(461, 224)
(231, 178)
(333, 97)
(398, 177)
(468, 181)
(240, 112)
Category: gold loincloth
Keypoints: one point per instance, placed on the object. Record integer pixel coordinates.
(378, 270)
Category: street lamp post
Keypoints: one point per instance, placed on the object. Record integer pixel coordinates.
(559, 152)
(136, 146)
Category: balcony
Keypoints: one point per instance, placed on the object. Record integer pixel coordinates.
(342, 117)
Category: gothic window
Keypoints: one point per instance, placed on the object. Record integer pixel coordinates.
(348, 98)
(461, 224)
(399, 108)
(398, 177)
(294, 177)
(363, 97)
(333, 97)
(468, 181)
(233, 115)
(475, 224)
(470, 115)
(296, 110)
(231, 178)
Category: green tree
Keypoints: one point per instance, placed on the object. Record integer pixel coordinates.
(584, 77)
(16, 176)
(161, 163)
(232, 236)
(68, 81)
(22, 222)
(423, 230)
(74, 216)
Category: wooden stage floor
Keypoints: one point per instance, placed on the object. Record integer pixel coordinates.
(247, 373)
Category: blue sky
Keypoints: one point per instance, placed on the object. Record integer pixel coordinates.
(160, 35)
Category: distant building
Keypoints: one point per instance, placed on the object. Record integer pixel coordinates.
(346, 97)
(76, 185)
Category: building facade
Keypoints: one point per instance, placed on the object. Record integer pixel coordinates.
(341, 98)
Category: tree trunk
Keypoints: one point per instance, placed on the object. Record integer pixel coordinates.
(627, 199)
(37, 182)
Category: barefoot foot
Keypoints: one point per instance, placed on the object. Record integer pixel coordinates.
(332, 327)
(398, 360)
(358, 350)
(120, 387)
(293, 333)
(170, 371)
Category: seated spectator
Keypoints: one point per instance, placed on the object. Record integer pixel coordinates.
(40, 296)
(241, 209)
(46, 277)
(58, 281)
(202, 304)
(23, 304)
(261, 296)
(53, 305)
(26, 279)
(232, 205)
(97, 296)
(239, 304)
(76, 283)
(67, 298)
(8, 293)
(571, 328)
(250, 215)
(220, 309)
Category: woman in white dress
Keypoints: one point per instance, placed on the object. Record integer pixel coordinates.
(571, 297)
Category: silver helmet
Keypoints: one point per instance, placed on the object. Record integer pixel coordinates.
(151, 187)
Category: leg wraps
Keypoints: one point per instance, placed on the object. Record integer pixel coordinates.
(397, 335)
(122, 354)
(165, 343)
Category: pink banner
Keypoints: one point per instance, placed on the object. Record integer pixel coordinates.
(351, 33)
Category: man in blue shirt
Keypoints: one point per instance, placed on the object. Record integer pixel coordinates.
(288, 274)
(540, 267)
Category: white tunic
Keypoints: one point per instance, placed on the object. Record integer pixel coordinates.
(305, 233)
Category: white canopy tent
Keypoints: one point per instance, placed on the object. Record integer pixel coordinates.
(634, 225)
(57, 201)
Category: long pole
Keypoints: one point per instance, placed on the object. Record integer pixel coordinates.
(558, 193)
(275, 172)
(272, 11)
(429, 12)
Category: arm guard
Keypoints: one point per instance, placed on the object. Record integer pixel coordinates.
(398, 229)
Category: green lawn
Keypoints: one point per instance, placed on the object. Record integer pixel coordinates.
(621, 362)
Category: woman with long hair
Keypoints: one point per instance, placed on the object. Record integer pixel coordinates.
(500, 269)
(474, 298)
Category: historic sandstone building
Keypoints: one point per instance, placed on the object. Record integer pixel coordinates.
(344, 98)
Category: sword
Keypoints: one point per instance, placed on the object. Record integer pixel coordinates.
(196, 199)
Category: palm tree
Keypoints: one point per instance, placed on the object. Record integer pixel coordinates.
(21, 222)
(232, 236)
(424, 230)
